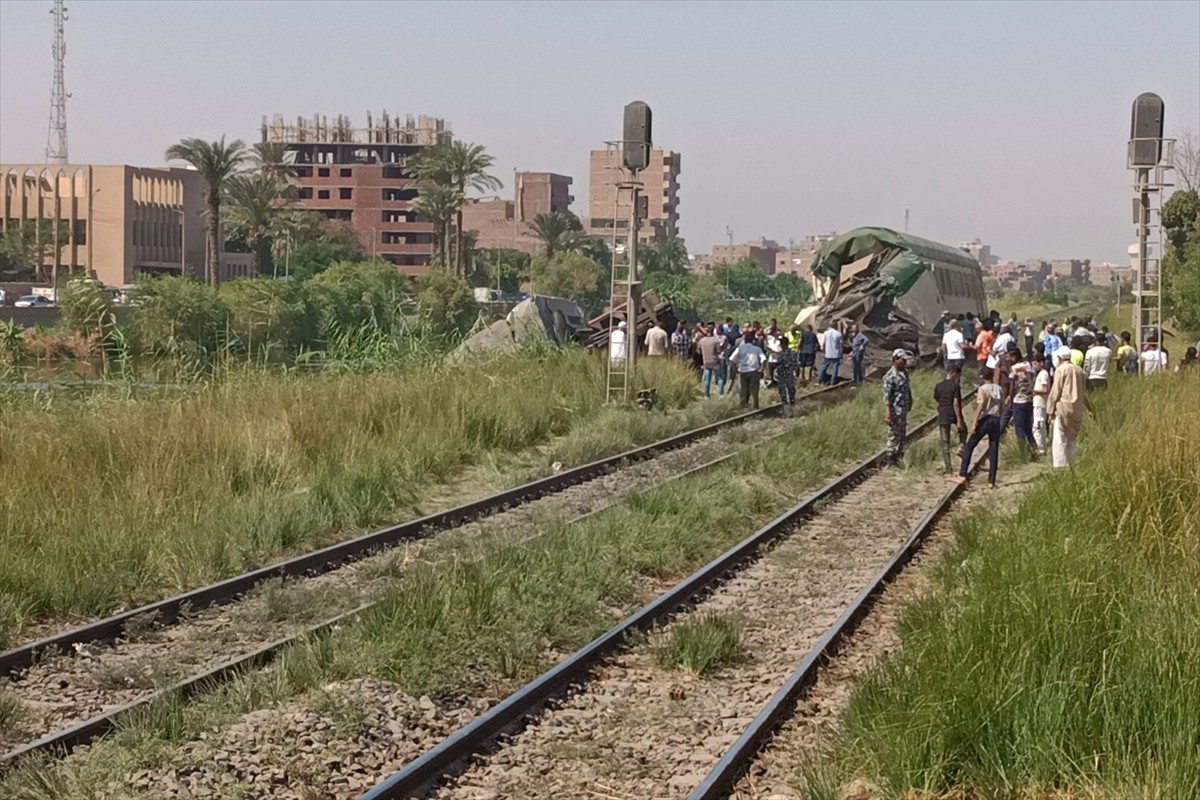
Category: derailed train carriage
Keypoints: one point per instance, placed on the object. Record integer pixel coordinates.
(896, 286)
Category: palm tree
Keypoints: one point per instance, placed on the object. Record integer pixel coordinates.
(560, 232)
(254, 203)
(216, 162)
(273, 160)
(461, 166)
(439, 202)
(289, 227)
(664, 255)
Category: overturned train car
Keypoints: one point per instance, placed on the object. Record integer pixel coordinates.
(897, 286)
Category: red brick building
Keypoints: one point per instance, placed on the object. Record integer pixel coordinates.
(508, 224)
(359, 176)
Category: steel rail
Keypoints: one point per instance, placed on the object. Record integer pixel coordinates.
(720, 781)
(508, 716)
(66, 739)
(170, 610)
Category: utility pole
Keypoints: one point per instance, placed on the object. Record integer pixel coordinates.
(56, 136)
(729, 233)
(182, 241)
(633, 149)
(1150, 157)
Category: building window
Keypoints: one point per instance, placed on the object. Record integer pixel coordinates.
(306, 193)
(393, 172)
(79, 234)
(344, 172)
(323, 172)
(323, 194)
(304, 172)
(345, 194)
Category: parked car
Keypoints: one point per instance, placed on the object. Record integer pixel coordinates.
(34, 301)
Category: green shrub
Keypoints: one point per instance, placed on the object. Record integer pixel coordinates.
(349, 295)
(86, 307)
(447, 302)
(178, 317)
(270, 316)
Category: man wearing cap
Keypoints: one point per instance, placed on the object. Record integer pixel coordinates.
(897, 401)
(942, 323)
(1065, 408)
(616, 344)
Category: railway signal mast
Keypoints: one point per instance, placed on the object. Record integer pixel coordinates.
(1150, 157)
(624, 288)
(56, 137)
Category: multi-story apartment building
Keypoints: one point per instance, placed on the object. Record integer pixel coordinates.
(360, 176)
(118, 221)
(608, 208)
(499, 223)
(761, 250)
(1108, 273)
(1076, 269)
(980, 252)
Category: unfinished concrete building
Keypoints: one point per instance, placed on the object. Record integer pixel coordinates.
(360, 176)
(660, 193)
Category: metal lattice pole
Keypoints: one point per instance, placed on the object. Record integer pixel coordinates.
(1150, 187)
(56, 137)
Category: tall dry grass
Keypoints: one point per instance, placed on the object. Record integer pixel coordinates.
(106, 503)
(1063, 650)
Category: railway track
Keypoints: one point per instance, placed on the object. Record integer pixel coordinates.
(127, 668)
(609, 721)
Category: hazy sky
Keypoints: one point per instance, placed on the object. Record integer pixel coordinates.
(1004, 121)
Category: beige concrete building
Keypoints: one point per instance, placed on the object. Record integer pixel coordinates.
(1077, 269)
(508, 224)
(660, 193)
(1108, 274)
(761, 250)
(124, 221)
(980, 252)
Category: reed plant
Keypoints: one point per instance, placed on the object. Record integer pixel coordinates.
(1061, 656)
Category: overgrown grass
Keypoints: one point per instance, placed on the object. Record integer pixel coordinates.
(1061, 652)
(702, 644)
(116, 501)
(505, 615)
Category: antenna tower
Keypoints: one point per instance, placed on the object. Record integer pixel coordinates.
(56, 138)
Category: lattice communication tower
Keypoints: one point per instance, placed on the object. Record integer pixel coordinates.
(56, 138)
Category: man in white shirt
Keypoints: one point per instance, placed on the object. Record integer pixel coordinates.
(616, 344)
(1000, 346)
(656, 340)
(831, 356)
(1095, 363)
(1153, 359)
(952, 346)
(748, 358)
(1041, 390)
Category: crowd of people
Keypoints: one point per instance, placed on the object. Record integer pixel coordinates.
(744, 357)
(1040, 390)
